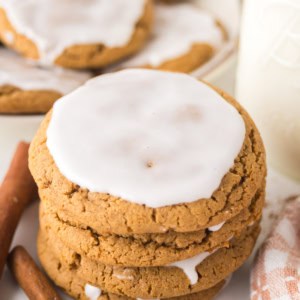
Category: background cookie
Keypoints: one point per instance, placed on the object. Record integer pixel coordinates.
(25, 88)
(184, 37)
(56, 38)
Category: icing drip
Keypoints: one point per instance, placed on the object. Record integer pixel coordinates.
(189, 265)
(216, 227)
(176, 29)
(92, 292)
(188, 133)
(125, 274)
(23, 74)
(49, 25)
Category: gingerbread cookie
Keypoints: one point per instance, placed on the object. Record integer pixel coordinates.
(86, 38)
(146, 249)
(184, 38)
(80, 289)
(175, 153)
(25, 88)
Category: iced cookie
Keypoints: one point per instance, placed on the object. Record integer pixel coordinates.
(180, 278)
(146, 249)
(80, 289)
(153, 152)
(184, 37)
(25, 88)
(95, 33)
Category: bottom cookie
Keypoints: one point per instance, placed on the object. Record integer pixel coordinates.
(152, 282)
(74, 286)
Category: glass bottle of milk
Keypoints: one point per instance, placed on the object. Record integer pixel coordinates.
(268, 77)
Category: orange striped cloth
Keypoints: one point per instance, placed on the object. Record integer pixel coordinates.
(276, 271)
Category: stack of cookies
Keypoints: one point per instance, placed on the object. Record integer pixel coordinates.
(152, 186)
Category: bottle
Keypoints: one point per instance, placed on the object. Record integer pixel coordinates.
(268, 77)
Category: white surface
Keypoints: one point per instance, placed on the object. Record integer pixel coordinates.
(268, 82)
(13, 129)
(170, 39)
(49, 25)
(21, 73)
(150, 150)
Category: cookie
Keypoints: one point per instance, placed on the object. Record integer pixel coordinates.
(138, 188)
(185, 277)
(45, 31)
(80, 289)
(184, 38)
(147, 249)
(25, 88)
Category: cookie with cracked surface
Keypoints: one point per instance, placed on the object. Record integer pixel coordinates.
(110, 213)
(169, 49)
(52, 36)
(77, 288)
(181, 278)
(25, 88)
(146, 249)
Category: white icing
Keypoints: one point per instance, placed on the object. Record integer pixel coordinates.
(92, 292)
(230, 238)
(54, 25)
(126, 274)
(216, 227)
(16, 71)
(123, 277)
(176, 29)
(150, 137)
(189, 265)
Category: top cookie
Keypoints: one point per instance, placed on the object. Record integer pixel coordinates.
(184, 37)
(86, 38)
(181, 156)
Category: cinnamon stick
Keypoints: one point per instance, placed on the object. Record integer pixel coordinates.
(16, 191)
(30, 278)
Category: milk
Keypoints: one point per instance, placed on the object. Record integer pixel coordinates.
(268, 77)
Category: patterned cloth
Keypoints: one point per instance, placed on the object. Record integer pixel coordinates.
(276, 271)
